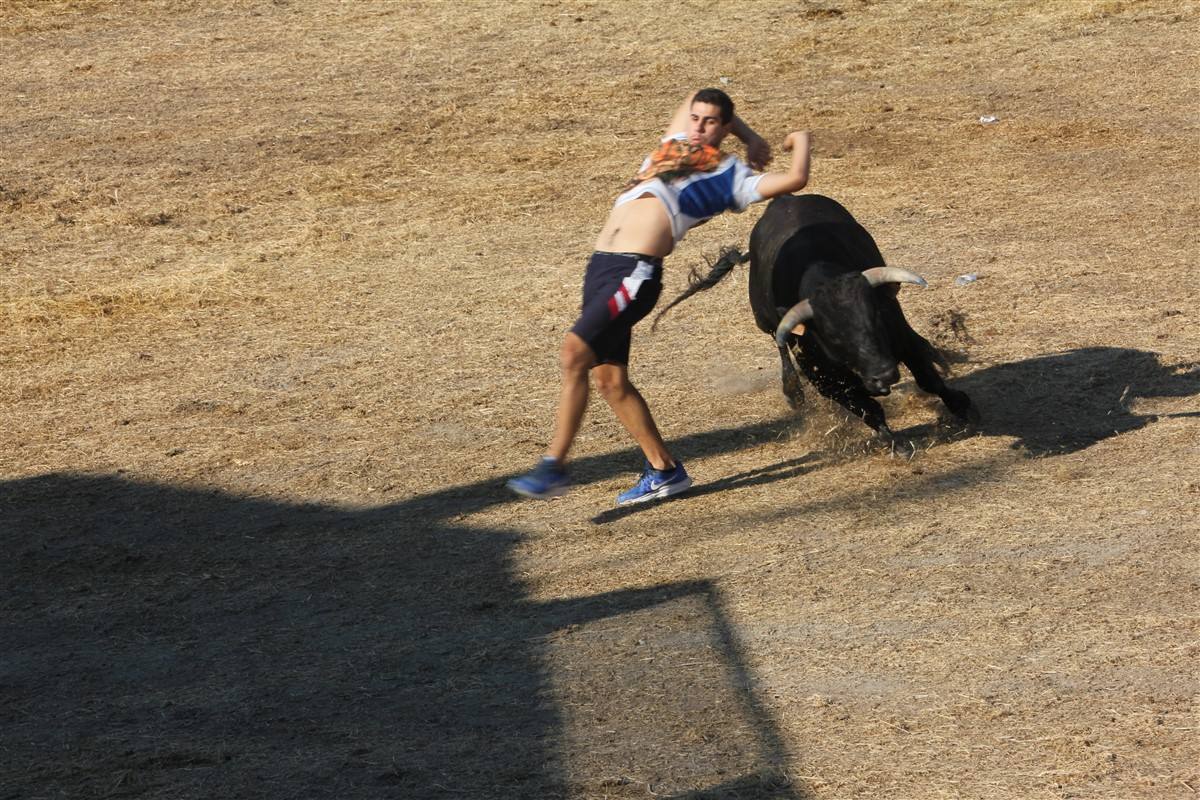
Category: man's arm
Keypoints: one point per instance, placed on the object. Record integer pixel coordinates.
(774, 184)
(758, 152)
(679, 122)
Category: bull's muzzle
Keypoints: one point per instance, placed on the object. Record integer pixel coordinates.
(881, 383)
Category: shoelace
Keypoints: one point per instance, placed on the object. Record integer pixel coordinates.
(647, 479)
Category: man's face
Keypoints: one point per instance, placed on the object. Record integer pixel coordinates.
(705, 127)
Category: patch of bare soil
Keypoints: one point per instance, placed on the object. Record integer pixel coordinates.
(282, 285)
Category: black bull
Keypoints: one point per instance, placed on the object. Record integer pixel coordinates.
(850, 335)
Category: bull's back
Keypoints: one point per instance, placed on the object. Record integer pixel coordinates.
(795, 232)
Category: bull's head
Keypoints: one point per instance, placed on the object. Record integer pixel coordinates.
(848, 324)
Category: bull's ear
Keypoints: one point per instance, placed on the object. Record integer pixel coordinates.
(793, 322)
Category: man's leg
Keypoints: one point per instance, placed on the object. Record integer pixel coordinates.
(612, 381)
(575, 359)
(549, 478)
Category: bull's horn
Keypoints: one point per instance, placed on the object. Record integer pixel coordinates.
(797, 314)
(880, 275)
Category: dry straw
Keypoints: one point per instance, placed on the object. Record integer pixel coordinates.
(282, 288)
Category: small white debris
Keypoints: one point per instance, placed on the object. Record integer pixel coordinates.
(724, 80)
(963, 280)
(988, 119)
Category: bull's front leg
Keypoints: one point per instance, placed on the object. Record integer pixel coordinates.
(928, 378)
(792, 389)
(847, 391)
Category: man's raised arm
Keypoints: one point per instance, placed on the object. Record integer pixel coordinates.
(679, 122)
(774, 184)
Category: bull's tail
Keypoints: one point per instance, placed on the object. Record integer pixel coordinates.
(730, 257)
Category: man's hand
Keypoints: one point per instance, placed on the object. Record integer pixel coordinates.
(773, 184)
(794, 138)
(758, 153)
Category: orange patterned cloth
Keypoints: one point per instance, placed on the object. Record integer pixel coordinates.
(676, 158)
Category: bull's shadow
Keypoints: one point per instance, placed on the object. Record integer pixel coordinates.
(174, 642)
(1065, 402)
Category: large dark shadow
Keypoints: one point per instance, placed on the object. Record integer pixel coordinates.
(1064, 402)
(178, 642)
(173, 642)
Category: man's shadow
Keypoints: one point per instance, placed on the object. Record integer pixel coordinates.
(784, 470)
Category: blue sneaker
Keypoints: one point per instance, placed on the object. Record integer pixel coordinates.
(656, 483)
(548, 479)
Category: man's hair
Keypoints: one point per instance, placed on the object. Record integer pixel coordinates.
(715, 97)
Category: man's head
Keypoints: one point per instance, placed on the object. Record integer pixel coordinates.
(711, 117)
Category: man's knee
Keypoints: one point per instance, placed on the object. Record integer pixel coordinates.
(575, 355)
(611, 381)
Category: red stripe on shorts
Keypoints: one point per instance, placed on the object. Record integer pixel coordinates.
(618, 302)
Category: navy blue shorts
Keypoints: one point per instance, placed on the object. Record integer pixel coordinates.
(618, 290)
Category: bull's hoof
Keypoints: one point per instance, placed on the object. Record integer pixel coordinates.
(961, 406)
(902, 447)
(793, 394)
(892, 444)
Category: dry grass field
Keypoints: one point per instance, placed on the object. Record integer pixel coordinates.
(282, 284)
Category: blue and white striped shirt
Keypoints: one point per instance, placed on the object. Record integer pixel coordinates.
(700, 196)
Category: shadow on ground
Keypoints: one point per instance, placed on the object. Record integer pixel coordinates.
(791, 468)
(1065, 402)
(171, 642)
(1049, 405)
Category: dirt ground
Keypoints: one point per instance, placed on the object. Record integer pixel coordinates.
(281, 290)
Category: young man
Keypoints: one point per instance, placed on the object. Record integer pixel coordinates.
(684, 183)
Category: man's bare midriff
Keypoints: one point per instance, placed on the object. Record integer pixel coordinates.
(638, 226)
